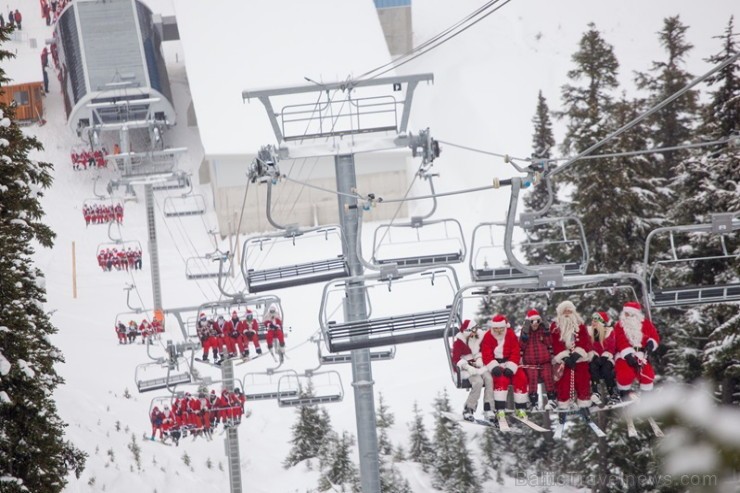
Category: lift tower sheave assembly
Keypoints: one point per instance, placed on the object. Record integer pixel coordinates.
(341, 119)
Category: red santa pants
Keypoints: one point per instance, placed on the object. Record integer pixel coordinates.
(545, 372)
(272, 334)
(501, 387)
(626, 375)
(581, 384)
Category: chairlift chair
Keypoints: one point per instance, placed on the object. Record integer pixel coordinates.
(263, 269)
(184, 205)
(117, 247)
(258, 305)
(658, 267)
(384, 354)
(178, 181)
(205, 267)
(146, 381)
(428, 290)
(420, 242)
(469, 299)
(313, 388)
(262, 386)
(485, 251)
(105, 202)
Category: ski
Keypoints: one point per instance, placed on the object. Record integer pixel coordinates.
(598, 431)
(631, 430)
(503, 425)
(476, 421)
(559, 431)
(247, 359)
(656, 429)
(531, 424)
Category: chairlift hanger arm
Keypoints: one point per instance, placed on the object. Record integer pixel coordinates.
(329, 86)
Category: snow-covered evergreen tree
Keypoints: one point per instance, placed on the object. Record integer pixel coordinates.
(420, 447)
(34, 456)
(339, 473)
(384, 419)
(453, 466)
(311, 428)
(391, 479)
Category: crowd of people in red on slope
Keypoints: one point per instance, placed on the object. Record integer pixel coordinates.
(197, 415)
(124, 259)
(102, 213)
(568, 356)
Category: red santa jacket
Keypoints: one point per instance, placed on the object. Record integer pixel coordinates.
(580, 344)
(267, 321)
(605, 348)
(503, 352)
(624, 345)
(466, 352)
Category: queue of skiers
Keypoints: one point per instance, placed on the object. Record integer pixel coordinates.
(197, 415)
(568, 356)
(231, 338)
(124, 259)
(102, 213)
(127, 333)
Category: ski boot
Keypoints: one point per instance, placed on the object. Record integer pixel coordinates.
(520, 413)
(534, 401)
(552, 402)
(468, 414)
(596, 400)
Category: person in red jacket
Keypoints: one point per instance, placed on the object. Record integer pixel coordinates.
(228, 328)
(535, 341)
(248, 332)
(501, 354)
(635, 339)
(466, 359)
(18, 18)
(572, 347)
(602, 358)
(274, 325)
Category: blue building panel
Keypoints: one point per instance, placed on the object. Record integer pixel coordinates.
(384, 4)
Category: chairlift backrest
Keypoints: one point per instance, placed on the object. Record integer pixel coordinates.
(419, 243)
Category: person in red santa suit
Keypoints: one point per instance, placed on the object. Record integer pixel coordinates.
(535, 341)
(602, 358)
(572, 347)
(501, 354)
(466, 359)
(636, 338)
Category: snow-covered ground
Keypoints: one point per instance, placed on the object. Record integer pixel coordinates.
(486, 83)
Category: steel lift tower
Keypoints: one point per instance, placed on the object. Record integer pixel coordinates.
(342, 119)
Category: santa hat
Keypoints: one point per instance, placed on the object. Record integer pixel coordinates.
(565, 305)
(533, 315)
(234, 314)
(602, 317)
(497, 321)
(464, 325)
(632, 306)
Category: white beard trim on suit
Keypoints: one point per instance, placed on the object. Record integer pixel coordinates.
(633, 328)
(568, 325)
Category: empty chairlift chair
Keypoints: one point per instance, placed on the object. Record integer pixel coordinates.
(319, 249)
(160, 375)
(387, 320)
(420, 242)
(271, 385)
(184, 205)
(692, 254)
(558, 234)
(206, 267)
(313, 388)
(339, 358)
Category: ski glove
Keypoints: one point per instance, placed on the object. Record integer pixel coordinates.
(631, 360)
(497, 371)
(508, 373)
(650, 348)
(571, 360)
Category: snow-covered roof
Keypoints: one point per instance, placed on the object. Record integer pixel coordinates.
(17, 69)
(232, 45)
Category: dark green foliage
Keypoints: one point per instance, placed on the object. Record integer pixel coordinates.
(420, 447)
(32, 445)
(312, 427)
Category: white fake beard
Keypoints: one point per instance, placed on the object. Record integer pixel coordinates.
(568, 325)
(632, 329)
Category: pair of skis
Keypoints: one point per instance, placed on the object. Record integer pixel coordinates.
(501, 423)
(594, 427)
(632, 430)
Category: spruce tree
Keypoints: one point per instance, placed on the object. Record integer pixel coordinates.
(34, 456)
(391, 479)
(714, 190)
(311, 428)
(336, 464)
(420, 447)
(384, 419)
